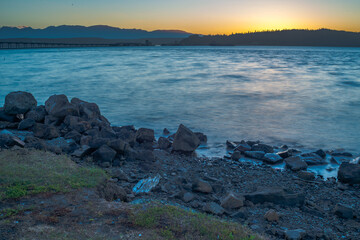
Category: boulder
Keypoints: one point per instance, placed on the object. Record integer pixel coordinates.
(166, 131)
(87, 110)
(8, 139)
(164, 143)
(276, 196)
(341, 154)
(230, 145)
(202, 137)
(272, 158)
(82, 151)
(98, 142)
(65, 145)
(119, 174)
(272, 216)
(119, 146)
(188, 197)
(309, 176)
(51, 120)
(285, 154)
(19, 103)
(213, 208)
(232, 202)
(6, 117)
(26, 124)
(111, 191)
(44, 131)
(236, 155)
(59, 106)
(295, 163)
(34, 142)
(255, 154)
(145, 135)
(262, 147)
(349, 173)
(321, 153)
(75, 135)
(37, 114)
(104, 156)
(242, 147)
(343, 211)
(185, 140)
(312, 159)
(202, 186)
(107, 132)
(8, 125)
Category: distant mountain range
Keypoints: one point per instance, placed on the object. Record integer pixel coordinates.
(98, 31)
(321, 37)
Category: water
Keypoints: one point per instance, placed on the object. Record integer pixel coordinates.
(300, 96)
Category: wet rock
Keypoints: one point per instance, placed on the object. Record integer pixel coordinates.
(272, 158)
(60, 107)
(312, 159)
(284, 154)
(230, 145)
(164, 143)
(166, 131)
(284, 147)
(272, 216)
(111, 191)
(202, 186)
(104, 156)
(8, 139)
(87, 110)
(37, 114)
(26, 124)
(232, 202)
(296, 234)
(119, 146)
(82, 151)
(343, 211)
(262, 147)
(321, 153)
(309, 176)
(8, 125)
(236, 155)
(146, 185)
(6, 117)
(213, 208)
(276, 196)
(341, 154)
(252, 143)
(185, 140)
(45, 131)
(243, 147)
(188, 197)
(19, 103)
(202, 137)
(295, 163)
(255, 154)
(145, 135)
(349, 173)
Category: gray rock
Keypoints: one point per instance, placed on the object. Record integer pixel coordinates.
(243, 147)
(343, 211)
(119, 146)
(26, 124)
(341, 154)
(119, 174)
(295, 163)
(309, 176)
(202, 186)
(185, 140)
(349, 173)
(75, 135)
(82, 151)
(255, 154)
(44, 131)
(60, 107)
(272, 216)
(6, 117)
(232, 202)
(164, 143)
(296, 234)
(104, 154)
(8, 125)
(276, 196)
(285, 154)
(272, 158)
(312, 159)
(37, 114)
(87, 110)
(236, 155)
(188, 197)
(202, 137)
(111, 191)
(230, 145)
(145, 135)
(65, 145)
(262, 147)
(19, 103)
(166, 131)
(213, 208)
(321, 153)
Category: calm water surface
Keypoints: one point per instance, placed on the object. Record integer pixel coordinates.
(295, 95)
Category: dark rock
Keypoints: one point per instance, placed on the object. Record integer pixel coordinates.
(51, 120)
(8, 139)
(145, 135)
(202, 137)
(143, 155)
(119, 146)
(272, 158)
(19, 103)
(82, 151)
(213, 208)
(241, 214)
(349, 173)
(26, 124)
(104, 156)
(166, 131)
(230, 145)
(85, 140)
(44, 131)
(66, 145)
(119, 174)
(252, 143)
(272, 216)
(8, 125)
(59, 106)
(321, 153)
(236, 155)
(343, 211)
(37, 114)
(107, 133)
(232, 202)
(87, 110)
(284, 147)
(34, 142)
(98, 142)
(296, 234)
(185, 140)
(284, 154)
(111, 191)
(262, 147)
(6, 117)
(255, 154)
(243, 147)
(295, 163)
(94, 132)
(76, 136)
(309, 176)
(341, 154)
(188, 197)
(312, 159)
(276, 196)
(164, 143)
(202, 186)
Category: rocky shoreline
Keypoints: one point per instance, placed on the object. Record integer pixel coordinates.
(287, 202)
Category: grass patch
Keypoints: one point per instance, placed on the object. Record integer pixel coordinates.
(170, 222)
(25, 172)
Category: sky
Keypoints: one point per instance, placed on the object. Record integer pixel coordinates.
(195, 16)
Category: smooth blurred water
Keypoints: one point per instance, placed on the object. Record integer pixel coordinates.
(295, 95)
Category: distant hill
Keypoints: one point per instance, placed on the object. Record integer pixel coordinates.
(321, 37)
(99, 31)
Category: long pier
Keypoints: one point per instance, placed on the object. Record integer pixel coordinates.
(25, 45)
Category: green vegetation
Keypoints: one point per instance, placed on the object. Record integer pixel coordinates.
(170, 222)
(25, 172)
